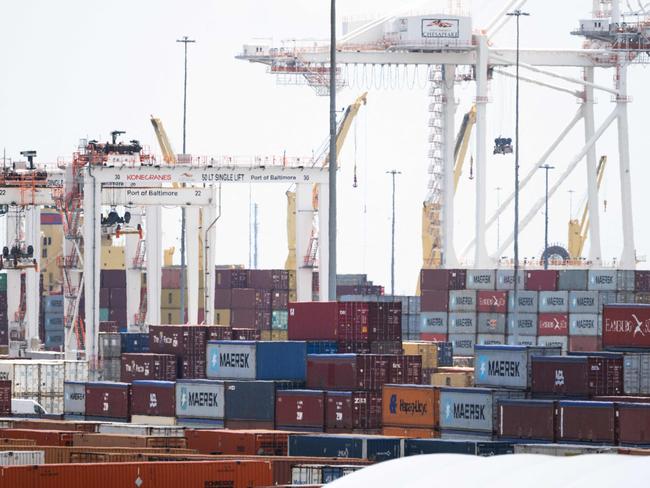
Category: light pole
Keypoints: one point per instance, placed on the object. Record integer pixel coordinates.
(393, 173)
(546, 168)
(498, 189)
(516, 13)
(331, 278)
(185, 40)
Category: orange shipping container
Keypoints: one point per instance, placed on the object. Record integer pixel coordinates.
(117, 440)
(42, 437)
(42, 424)
(410, 406)
(202, 474)
(410, 432)
(252, 442)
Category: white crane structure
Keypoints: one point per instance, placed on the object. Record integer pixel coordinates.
(453, 52)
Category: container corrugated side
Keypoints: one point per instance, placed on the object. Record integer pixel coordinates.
(200, 399)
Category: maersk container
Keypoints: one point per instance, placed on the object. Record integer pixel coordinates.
(507, 366)
(372, 448)
(463, 344)
(554, 341)
(462, 301)
(481, 279)
(528, 301)
(490, 340)
(572, 279)
(200, 399)
(414, 447)
(491, 323)
(553, 301)
(472, 409)
(602, 279)
(583, 302)
(584, 324)
(526, 324)
(462, 323)
(74, 402)
(521, 340)
(506, 279)
(259, 360)
(625, 280)
(433, 322)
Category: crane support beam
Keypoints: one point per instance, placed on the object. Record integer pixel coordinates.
(17, 196)
(139, 196)
(532, 81)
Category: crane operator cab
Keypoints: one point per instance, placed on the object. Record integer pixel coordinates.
(18, 256)
(502, 145)
(114, 225)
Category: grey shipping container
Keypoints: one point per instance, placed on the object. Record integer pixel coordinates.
(583, 301)
(481, 279)
(636, 373)
(491, 323)
(463, 344)
(433, 322)
(526, 324)
(472, 409)
(625, 280)
(74, 401)
(110, 345)
(200, 399)
(602, 279)
(462, 300)
(506, 281)
(462, 323)
(490, 339)
(605, 298)
(521, 340)
(625, 297)
(572, 279)
(554, 341)
(528, 301)
(553, 301)
(582, 324)
(507, 366)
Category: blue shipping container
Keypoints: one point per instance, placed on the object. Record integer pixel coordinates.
(135, 342)
(53, 304)
(413, 447)
(373, 448)
(322, 347)
(53, 322)
(253, 400)
(445, 354)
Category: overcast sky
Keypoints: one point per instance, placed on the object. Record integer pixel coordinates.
(73, 69)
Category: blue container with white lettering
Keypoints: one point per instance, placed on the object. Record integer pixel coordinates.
(257, 360)
(322, 347)
(372, 448)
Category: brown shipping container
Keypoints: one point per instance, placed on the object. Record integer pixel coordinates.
(130, 441)
(492, 301)
(219, 333)
(65, 425)
(442, 279)
(346, 411)
(5, 443)
(527, 419)
(252, 442)
(41, 437)
(243, 298)
(147, 366)
(347, 371)
(626, 326)
(222, 298)
(5, 398)
(239, 334)
(313, 321)
(302, 410)
(541, 280)
(576, 376)
(202, 474)
(280, 300)
(642, 280)
(586, 422)
(110, 400)
(633, 422)
(410, 432)
(584, 343)
(231, 278)
(405, 369)
(410, 406)
(262, 279)
(434, 301)
(154, 398)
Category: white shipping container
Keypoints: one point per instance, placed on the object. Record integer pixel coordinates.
(526, 325)
(462, 300)
(234, 361)
(521, 340)
(52, 374)
(602, 279)
(491, 323)
(490, 339)
(142, 429)
(528, 301)
(553, 301)
(52, 404)
(433, 322)
(481, 279)
(506, 279)
(462, 323)
(554, 341)
(583, 324)
(76, 370)
(74, 399)
(21, 458)
(24, 375)
(583, 302)
(463, 344)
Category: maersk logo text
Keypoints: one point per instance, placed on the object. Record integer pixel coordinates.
(469, 411)
(234, 360)
(504, 368)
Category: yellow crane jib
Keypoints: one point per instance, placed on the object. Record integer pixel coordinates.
(165, 146)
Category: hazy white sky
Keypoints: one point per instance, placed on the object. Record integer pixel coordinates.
(73, 69)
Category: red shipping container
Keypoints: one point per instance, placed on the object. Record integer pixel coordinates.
(110, 327)
(346, 411)
(489, 301)
(238, 442)
(347, 371)
(584, 343)
(154, 398)
(586, 422)
(427, 336)
(231, 278)
(118, 315)
(113, 278)
(405, 370)
(147, 366)
(171, 278)
(260, 279)
(532, 420)
(353, 322)
(434, 301)
(222, 298)
(104, 297)
(243, 317)
(218, 333)
(541, 280)
(384, 321)
(313, 321)
(41, 437)
(280, 300)
(357, 347)
(634, 422)
(442, 279)
(180, 340)
(109, 400)
(552, 324)
(302, 410)
(280, 278)
(243, 298)
(626, 326)
(118, 298)
(5, 398)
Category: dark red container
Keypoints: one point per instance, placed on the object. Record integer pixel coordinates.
(489, 301)
(313, 321)
(180, 340)
(118, 315)
(155, 398)
(353, 322)
(245, 334)
(231, 278)
(260, 279)
(346, 411)
(109, 400)
(218, 333)
(108, 326)
(584, 343)
(552, 324)
(384, 321)
(434, 301)
(113, 278)
(147, 366)
(586, 422)
(626, 326)
(348, 371)
(576, 376)
(634, 423)
(243, 298)
(250, 319)
(280, 278)
(442, 279)
(642, 280)
(302, 410)
(280, 300)
(222, 298)
(104, 297)
(386, 347)
(541, 280)
(118, 298)
(527, 419)
(5, 397)
(405, 370)
(357, 347)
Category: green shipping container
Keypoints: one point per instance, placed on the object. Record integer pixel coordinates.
(103, 315)
(279, 319)
(3, 282)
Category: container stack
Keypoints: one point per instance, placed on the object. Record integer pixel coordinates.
(112, 298)
(170, 296)
(53, 322)
(110, 352)
(356, 286)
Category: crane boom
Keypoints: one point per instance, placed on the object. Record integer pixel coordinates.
(165, 146)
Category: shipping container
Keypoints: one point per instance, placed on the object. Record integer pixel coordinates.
(463, 344)
(563, 450)
(141, 430)
(553, 301)
(533, 420)
(108, 400)
(458, 377)
(491, 323)
(300, 410)
(5, 398)
(433, 323)
(472, 409)
(434, 301)
(541, 280)
(313, 321)
(583, 324)
(625, 297)
(528, 301)
(346, 411)
(316, 475)
(135, 342)
(602, 280)
(490, 340)
(584, 343)
(636, 373)
(633, 423)
(443, 279)
(21, 458)
(586, 422)
(256, 360)
(462, 323)
(410, 406)
(507, 366)
(415, 447)
(576, 376)
(481, 279)
(154, 398)
(231, 278)
(492, 301)
(148, 366)
(525, 325)
(433, 354)
(506, 279)
(554, 341)
(552, 324)
(462, 301)
(41, 437)
(625, 280)
(572, 279)
(74, 398)
(583, 302)
(373, 448)
(322, 347)
(200, 399)
(348, 371)
(238, 442)
(626, 326)
(252, 401)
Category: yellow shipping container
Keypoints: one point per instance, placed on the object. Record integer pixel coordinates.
(112, 257)
(293, 296)
(265, 335)
(279, 335)
(170, 316)
(171, 298)
(462, 377)
(427, 350)
(222, 316)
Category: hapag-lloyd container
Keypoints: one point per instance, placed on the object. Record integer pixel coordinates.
(553, 301)
(480, 279)
(491, 323)
(541, 280)
(506, 279)
(586, 422)
(532, 420)
(74, 398)
(552, 324)
(302, 410)
(528, 301)
(153, 398)
(526, 324)
(200, 399)
(257, 360)
(313, 321)
(602, 279)
(373, 448)
(626, 326)
(584, 324)
(462, 301)
(108, 400)
(583, 302)
(507, 366)
(410, 406)
(463, 344)
(492, 301)
(462, 323)
(472, 409)
(433, 322)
